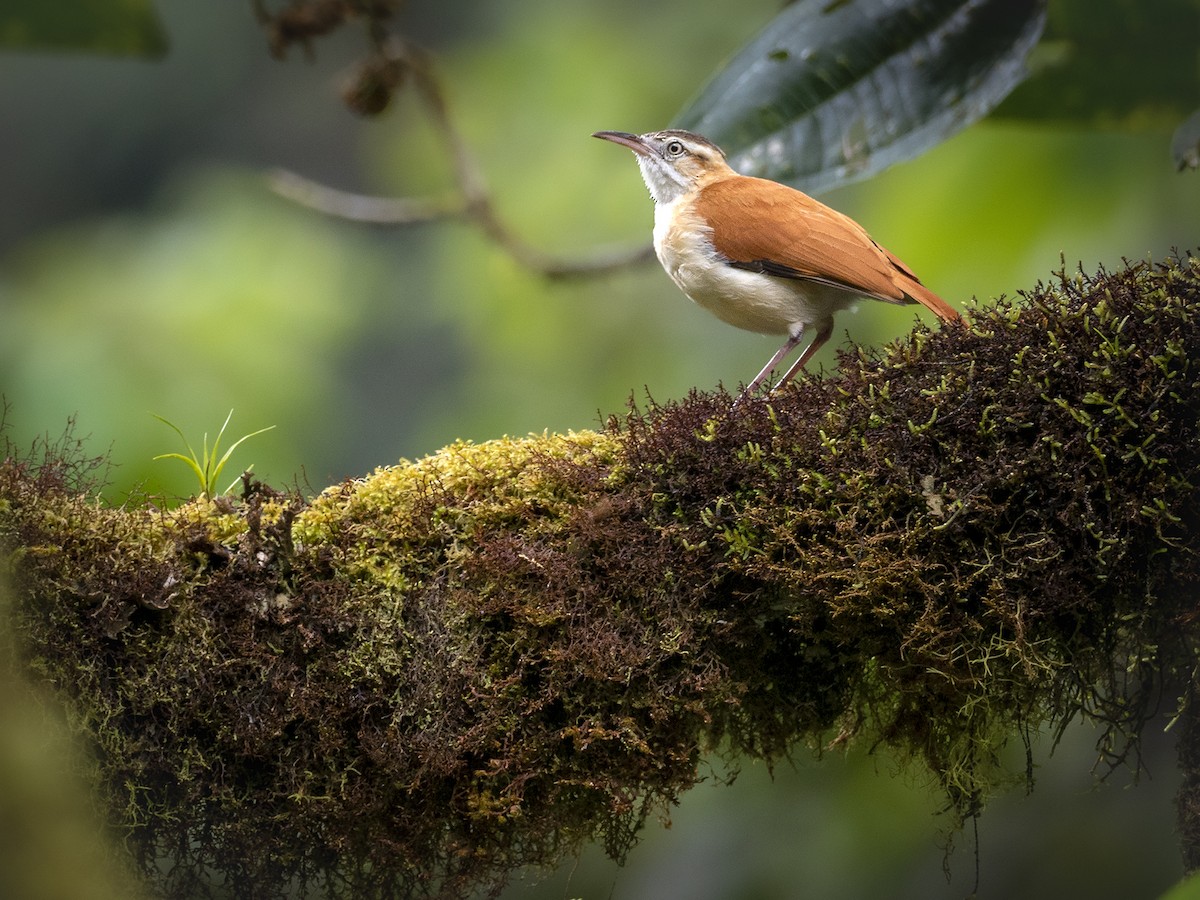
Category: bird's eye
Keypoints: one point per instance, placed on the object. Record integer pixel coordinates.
(674, 148)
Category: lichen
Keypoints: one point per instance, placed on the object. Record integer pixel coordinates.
(421, 680)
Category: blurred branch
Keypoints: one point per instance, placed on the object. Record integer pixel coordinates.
(367, 208)
(472, 201)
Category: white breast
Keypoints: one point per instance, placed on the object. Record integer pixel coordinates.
(749, 300)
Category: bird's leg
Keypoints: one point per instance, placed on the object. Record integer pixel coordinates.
(821, 338)
(775, 360)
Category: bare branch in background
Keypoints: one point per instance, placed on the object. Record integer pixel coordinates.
(366, 208)
(394, 62)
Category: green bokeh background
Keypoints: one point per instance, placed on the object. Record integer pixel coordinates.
(145, 268)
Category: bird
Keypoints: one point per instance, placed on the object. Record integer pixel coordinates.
(758, 254)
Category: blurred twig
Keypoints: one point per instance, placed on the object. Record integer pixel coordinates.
(472, 201)
(367, 208)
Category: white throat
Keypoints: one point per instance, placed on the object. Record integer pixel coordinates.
(664, 183)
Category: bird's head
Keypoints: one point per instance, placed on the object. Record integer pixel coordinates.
(673, 162)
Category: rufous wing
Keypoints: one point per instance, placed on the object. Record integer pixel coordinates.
(776, 229)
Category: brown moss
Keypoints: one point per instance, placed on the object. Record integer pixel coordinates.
(424, 679)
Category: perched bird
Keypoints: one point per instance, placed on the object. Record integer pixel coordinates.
(758, 254)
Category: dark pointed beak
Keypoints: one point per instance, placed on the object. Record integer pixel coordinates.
(633, 141)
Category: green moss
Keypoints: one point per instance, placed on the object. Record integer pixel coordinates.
(382, 524)
(423, 679)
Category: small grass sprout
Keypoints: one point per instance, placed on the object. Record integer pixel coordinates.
(207, 467)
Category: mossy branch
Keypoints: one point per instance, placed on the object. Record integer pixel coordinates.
(425, 678)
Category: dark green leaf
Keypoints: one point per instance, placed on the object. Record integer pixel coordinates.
(1114, 63)
(118, 27)
(832, 91)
